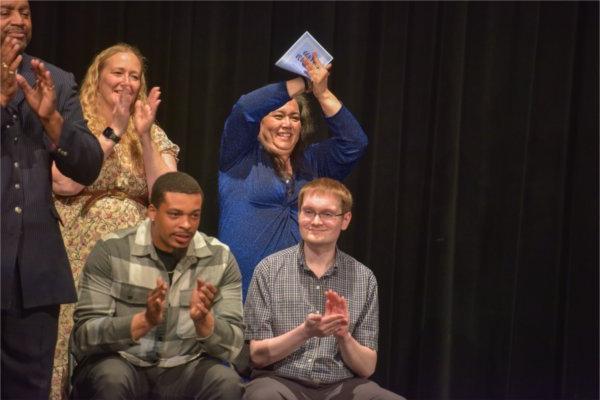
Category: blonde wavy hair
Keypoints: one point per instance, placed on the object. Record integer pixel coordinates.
(89, 101)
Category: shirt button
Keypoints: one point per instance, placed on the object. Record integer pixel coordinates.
(16, 139)
(16, 164)
(15, 116)
(310, 360)
(17, 186)
(18, 210)
(318, 287)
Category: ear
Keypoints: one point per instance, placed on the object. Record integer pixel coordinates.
(346, 220)
(151, 212)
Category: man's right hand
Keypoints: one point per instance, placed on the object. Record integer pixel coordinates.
(144, 321)
(323, 325)
(155, 303)
(10, 57)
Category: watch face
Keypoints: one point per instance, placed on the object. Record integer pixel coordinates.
(109, 133)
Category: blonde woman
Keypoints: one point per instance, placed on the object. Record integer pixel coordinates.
(121, 113)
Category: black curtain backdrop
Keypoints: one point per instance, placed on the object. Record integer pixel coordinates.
(477, 201)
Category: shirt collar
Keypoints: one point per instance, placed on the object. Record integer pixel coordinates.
(142, 243)
(337, 261)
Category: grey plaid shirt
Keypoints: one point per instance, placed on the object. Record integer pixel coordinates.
(119, 273)
(284, 290)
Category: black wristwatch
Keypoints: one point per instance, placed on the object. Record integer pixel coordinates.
(109, 133)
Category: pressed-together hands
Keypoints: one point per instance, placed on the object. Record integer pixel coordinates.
(333, 322)
(201, 302)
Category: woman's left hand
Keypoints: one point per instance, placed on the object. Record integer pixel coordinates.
(145, 114)
(318, 74)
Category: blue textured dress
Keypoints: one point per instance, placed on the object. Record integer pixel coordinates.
(258, 209)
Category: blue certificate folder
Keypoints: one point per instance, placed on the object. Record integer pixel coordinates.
(304, 46)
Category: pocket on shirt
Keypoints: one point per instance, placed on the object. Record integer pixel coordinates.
(129, 299)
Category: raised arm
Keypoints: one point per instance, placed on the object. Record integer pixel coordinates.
(75, 150)
(335, 156)
(242, 126)
(319, 75)
(155, 163)
(65, 186)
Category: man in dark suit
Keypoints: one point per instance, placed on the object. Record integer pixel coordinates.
(41, 122)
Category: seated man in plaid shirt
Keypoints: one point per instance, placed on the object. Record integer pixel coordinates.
(312, 313)
(160, 307)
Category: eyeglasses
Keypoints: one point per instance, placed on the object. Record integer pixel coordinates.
(326, 216)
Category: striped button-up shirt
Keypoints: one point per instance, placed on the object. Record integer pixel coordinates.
(283, 291)
(119, 273)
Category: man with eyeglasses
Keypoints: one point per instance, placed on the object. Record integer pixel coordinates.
(312, 313)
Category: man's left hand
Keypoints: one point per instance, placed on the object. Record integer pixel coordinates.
(201, 303)
(336, 304)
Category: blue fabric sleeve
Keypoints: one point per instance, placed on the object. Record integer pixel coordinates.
(241, 127)
(335, 156)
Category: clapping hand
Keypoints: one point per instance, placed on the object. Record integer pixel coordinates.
(201, 303)
(11, 59)
(145, 113)
(156, 303)
(121, 111)
(337, 305)
(42, 96)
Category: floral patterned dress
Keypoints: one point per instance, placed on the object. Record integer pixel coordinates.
(85, 221)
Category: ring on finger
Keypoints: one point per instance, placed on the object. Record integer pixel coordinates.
(11, 72)
(4, 65)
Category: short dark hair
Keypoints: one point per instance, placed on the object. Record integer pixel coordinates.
(174, 182)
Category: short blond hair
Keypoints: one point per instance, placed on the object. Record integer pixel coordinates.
(327, 186)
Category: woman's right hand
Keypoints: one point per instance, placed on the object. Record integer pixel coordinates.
(121, 111)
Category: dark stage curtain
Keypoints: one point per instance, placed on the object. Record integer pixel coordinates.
(477, 202)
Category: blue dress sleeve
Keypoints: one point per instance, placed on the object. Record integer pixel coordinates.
(241, 127)
(335, 156)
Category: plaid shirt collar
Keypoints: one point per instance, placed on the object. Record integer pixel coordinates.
(337, 262)
(143, 246)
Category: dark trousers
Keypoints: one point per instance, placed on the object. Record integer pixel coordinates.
(269, 386)
(111, 377)
(28, 341)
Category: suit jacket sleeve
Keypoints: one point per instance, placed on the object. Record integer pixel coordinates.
(78, 155)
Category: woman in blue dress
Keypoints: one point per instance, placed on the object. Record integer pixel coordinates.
(264, 162)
